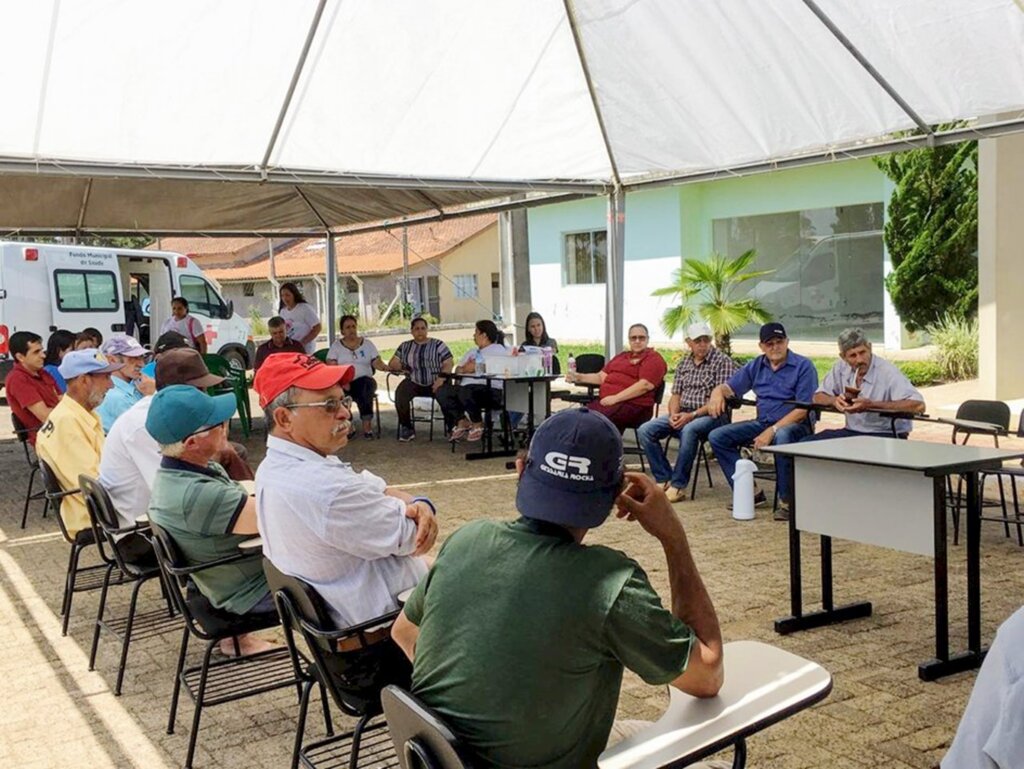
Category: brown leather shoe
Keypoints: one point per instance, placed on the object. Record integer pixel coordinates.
(675, 495)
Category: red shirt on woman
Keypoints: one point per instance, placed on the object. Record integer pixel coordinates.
(628, 368)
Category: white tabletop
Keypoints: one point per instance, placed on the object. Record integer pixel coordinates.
(403, 597)
(763, 684)
(256, 543)
(249, 486)
(930, 458)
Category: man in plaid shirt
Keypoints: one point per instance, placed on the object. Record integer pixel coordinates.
(696, 376)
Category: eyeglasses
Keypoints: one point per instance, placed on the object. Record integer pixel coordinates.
(637, 338)
(331, 405)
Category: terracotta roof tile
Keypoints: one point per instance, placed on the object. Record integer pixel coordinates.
(365, 254)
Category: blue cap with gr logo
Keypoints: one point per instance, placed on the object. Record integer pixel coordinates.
(573, 471)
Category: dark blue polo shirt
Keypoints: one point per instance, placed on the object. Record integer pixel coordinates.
(796, 380)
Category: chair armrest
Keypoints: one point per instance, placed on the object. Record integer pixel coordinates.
(187, 571)
(763, 685)
(337, 635)
(62, 494)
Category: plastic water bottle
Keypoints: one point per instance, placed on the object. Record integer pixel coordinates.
(548, 356)
(570, 366)
(478, 362)
(743, 490)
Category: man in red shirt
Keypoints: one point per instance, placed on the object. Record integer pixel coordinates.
(31, 392)
(628, 382)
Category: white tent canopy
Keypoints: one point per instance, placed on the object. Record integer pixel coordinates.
(260, 115)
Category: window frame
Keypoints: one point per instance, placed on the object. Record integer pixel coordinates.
(460, 292)
(117, 307)
(192, 306)
(593, 262)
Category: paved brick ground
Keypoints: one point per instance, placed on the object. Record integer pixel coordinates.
(55, 713)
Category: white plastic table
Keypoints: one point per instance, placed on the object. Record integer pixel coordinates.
(763, 685)
(892, 493)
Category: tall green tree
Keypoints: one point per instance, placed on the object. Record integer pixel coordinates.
(931, 232)
(707, 290)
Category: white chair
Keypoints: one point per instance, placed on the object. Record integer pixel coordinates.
(763, 685)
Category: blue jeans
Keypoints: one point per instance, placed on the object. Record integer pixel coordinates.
(726, 442)
(652, 433)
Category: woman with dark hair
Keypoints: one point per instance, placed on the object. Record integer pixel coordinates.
(628, 382)
(301, 319)
(182, 323)
(537, 333)
(422, 359)
(362, 355)
(60, 342)
(473, 395)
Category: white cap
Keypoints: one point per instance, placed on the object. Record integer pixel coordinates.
(698, 329)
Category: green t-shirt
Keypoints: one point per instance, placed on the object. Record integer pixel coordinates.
(198, 507)
(523, 638)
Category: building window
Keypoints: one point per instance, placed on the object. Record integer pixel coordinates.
(585, 258)
(248, 289)
(465, 287)
(825, 263)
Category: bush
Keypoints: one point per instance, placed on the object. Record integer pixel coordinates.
(957, 342)
(921, 373)
(257, 324)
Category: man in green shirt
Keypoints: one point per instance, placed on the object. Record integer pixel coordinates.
(519, 633)
(206, 513)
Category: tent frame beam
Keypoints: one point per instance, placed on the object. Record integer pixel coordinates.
(296, 74)
(839, 35)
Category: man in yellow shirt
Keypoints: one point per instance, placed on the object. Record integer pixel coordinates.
(71, 439)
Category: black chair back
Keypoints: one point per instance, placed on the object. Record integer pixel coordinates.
(21, 432)
(354, 677)
(55, 493)
(993, 412)
(106, 525)
(422, 740)
(589, 363)
(659, 394)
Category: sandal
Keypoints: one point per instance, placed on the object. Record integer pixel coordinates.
(458, 433)
(475, 434)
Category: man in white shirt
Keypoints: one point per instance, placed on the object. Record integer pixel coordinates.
(990, 734)
(354, 539)
(131, 456)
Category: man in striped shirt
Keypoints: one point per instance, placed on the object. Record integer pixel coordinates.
(423, 358)
(688, 420)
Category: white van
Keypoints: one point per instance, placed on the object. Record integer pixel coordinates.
(47, 286)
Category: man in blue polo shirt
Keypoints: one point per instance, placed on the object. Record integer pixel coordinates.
(775, 377)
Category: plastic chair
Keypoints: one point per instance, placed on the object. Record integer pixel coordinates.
(976, 417)
(78, 579)
(224, 680)
(106, 528)
(421, 739)
(235, 382)
(23, 434)
(587, 363)
(1013, 472)
(659, 393)
(420, 403)
(353, 677)
(321, 354)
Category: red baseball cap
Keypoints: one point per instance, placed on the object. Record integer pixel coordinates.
(284, 370)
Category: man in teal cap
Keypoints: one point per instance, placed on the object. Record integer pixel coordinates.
(206, 513)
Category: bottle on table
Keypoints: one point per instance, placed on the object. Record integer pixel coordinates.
(478, 362)
(570, 366)
(548, 356)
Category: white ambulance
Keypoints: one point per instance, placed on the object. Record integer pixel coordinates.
(47, 286)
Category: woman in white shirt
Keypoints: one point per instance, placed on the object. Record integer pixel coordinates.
(182, 323)
(473, 395)
(360, 353)
(300, 318)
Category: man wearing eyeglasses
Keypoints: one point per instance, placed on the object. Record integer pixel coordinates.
(777, 376)
(207, 514)
(357, 541)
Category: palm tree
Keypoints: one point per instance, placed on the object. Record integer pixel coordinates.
(705, 291)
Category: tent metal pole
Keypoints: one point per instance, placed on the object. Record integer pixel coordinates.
(299, 66)
(570, 15)
(615, 272)
(868, 66)
(331, 289)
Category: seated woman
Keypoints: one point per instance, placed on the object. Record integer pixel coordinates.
(627, 381)
(537, 333)
(469, 399)
(360, 353)
(424, 359)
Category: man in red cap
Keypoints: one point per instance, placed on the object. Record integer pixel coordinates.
(357, 541)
